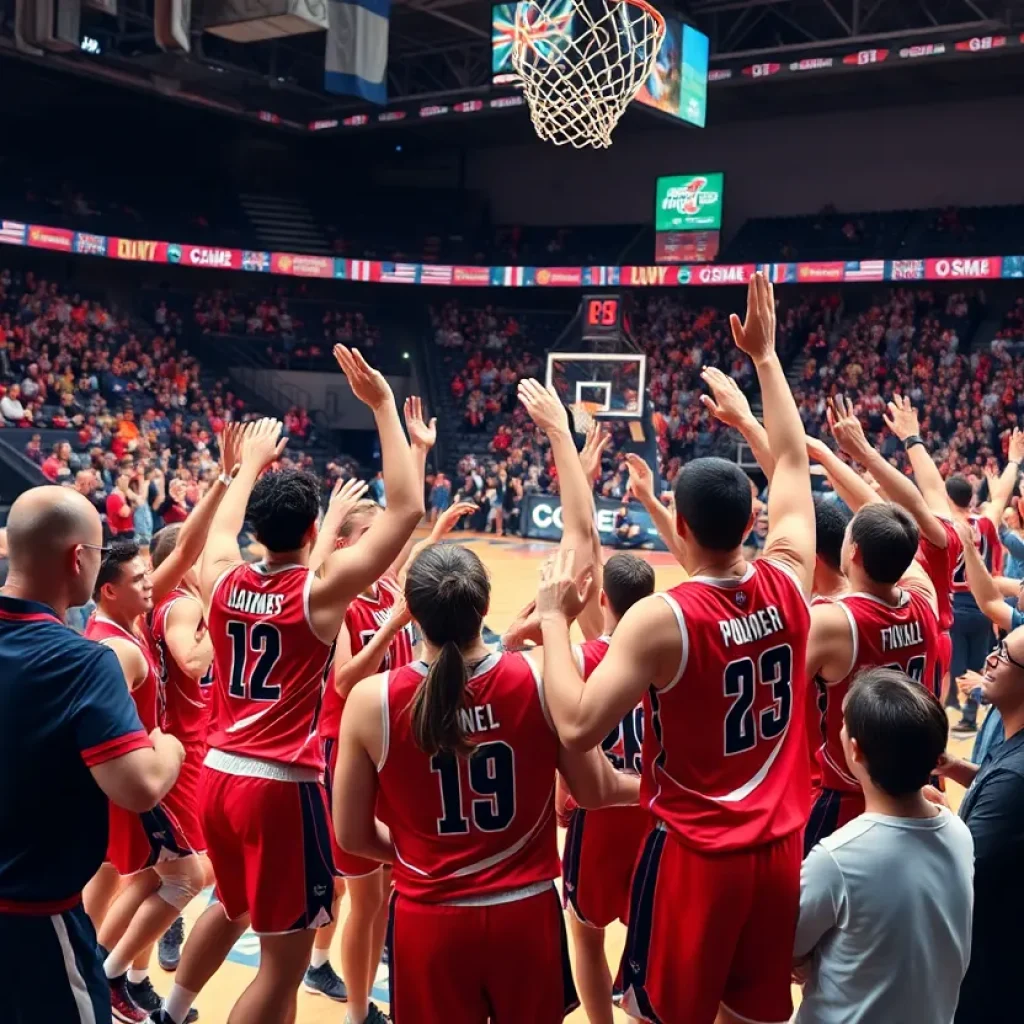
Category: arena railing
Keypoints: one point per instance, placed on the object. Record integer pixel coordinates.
(942, 268)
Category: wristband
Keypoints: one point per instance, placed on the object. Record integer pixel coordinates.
(909, 442)
(224, 479)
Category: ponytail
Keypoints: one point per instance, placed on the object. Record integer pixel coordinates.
(436, 723)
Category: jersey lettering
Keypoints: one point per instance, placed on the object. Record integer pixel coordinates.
(774, 669)
(491, 772)
(263, 639)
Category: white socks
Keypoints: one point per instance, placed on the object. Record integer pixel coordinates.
(114, 966)
(319, 957)
(178, 1002)
(137, 977)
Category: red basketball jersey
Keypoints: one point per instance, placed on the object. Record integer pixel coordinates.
(725, 751)
(904, 637)
(185, 712)
(466, 827)
(941, 564)
(146, 695)
(988, 544)
(269, 665)
(363, 619)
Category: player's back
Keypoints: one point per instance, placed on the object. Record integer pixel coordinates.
(472, 826)
(146, 695)
(905, 637)
(623, 745)
(364, 618)
(989, 547)
(269, 665)
(725, 749)
(185, 711)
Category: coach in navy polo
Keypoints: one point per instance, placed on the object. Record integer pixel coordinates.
(70, 739)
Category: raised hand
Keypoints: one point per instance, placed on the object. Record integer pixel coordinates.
(729, 404)
(230, 444)
(966, 532)
(543, 405)
(817, 449)
(449, 517)
(262, 443)
(345, 495)
(846, 428)
(756, 335)
(400, 614)
(421, 434)
(368, 384)
(641, 479)
(1016, 452)
(902, 418)
(595, 446)
(560, 592)
(525, 629)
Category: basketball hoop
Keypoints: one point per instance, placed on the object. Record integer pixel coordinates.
(583, 414)
(581, 62)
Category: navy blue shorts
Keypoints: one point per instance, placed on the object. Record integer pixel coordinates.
(50, 970)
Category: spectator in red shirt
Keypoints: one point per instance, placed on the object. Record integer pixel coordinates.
(120, 509)
(174, 509)
(56, 466)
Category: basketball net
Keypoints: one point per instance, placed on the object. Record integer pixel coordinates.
(579, 79)
(583, 415)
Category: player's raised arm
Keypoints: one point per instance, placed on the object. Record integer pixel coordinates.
(350, 668)
(191, 542)
(591, 620)
(790, 506)
(641, 483)
(830, 651)
(584, 715)
(261, 444)
(855, 491)
(576, 492)
(1000, 491)
(349, 571)
(344, 497)
(190, 645)
(730, 406)
(902, 421)
(849, 433)
(983, 587)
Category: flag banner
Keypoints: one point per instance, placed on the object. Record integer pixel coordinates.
(433, 273)
(364, 270)
(400, 273)
(356, 59)
(12, 232)
(865, 270)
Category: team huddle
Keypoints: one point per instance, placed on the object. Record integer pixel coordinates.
(340, 722)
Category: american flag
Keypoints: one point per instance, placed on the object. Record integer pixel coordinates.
(865, 270)
(401, 273)
(363, 270)
(433, 273)
(12, 232)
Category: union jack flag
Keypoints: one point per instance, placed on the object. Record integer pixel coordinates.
(547, 31)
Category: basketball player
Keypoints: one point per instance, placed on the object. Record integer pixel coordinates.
(272, 625)
(602, 846)
(185, 657)
(719, 662)
(972, 631)
(151, 849)
(458, 756)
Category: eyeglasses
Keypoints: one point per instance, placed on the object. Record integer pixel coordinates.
(1003, 653)
(96, 547)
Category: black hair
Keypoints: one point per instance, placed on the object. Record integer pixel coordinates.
(888, 538)
(713, 498)
(899, 726)
(282, 507)
(121, 552)
(163, 543)
(959, 490)
(830, 522)
(448, 592)
(627, 579)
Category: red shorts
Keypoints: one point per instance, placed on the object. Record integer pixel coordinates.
(601, 849)
(714, 929)
(348, 865)
(183, 799)
(270, 846)
(138, 841)
(832, 809)
(512, 962)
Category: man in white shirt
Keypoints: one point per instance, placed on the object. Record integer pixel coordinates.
(11, 408)
(886, 901)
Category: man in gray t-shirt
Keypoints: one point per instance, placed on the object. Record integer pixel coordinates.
(886, 901)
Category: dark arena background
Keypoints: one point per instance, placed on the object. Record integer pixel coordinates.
(199, 200)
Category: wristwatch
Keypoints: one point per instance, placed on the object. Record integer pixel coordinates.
(909, 442)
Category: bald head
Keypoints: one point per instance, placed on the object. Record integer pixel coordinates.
(47, 520)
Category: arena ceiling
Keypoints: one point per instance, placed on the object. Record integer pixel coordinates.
(441, 49)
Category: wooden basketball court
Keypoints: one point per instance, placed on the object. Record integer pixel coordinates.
(514, 566)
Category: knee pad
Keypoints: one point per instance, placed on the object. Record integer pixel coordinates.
(179, 889)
